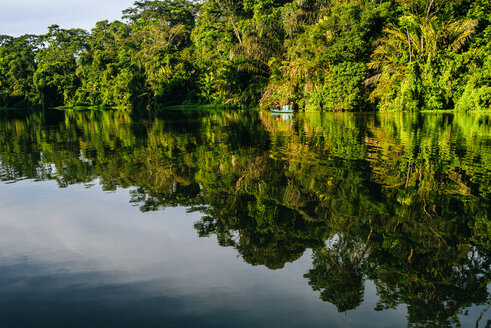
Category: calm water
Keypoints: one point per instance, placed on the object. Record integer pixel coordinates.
(241, 219)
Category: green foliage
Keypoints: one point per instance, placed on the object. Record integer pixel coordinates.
(411, 60)
(174, 12)
(105, 76)
(324, 55)
(55, 77)
(477, 90)
(344, 87)
(17, 66)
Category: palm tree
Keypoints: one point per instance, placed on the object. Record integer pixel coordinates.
(406, 47)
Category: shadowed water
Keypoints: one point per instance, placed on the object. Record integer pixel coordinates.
(222, 219)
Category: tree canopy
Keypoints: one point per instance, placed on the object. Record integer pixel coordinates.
(324, 55)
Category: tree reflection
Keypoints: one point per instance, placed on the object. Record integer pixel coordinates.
(402, 200)
(338, 274)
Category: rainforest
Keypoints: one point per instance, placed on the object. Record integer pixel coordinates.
(330, 55)
(145, 182)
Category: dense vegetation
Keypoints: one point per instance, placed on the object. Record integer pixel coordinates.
(401, 199)
(323, 54)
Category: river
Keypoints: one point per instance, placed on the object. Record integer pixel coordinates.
(242, 218)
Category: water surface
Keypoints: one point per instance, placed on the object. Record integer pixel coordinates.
(223, 219)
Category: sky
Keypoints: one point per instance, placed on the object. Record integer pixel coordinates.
(18, 17)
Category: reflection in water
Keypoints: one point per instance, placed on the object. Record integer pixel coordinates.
(401, 200)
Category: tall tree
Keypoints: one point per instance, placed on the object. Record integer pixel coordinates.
(55, 77)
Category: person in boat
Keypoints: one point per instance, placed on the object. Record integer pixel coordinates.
(276, 106)
(286, 107)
